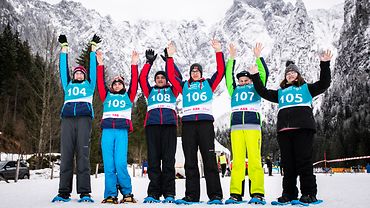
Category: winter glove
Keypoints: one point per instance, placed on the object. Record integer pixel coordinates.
(63, 41)
(150, 57)
(95, 40)
(165, 56)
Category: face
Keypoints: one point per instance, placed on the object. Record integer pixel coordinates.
(117, 86)
(78, 75)
(244, 81)
(195, 74)
(160, 80)
(291, 76)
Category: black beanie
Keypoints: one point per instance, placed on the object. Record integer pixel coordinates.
(199, 68)
(243, 74)
(290, 66)
(118, 79)
(160, 73)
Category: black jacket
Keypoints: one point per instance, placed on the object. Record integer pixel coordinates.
(296, 117)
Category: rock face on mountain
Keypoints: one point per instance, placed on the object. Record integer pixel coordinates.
(346, 106)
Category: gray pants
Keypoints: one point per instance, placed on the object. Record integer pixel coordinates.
(75, 139)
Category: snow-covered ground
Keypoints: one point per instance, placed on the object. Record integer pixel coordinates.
(338, 190)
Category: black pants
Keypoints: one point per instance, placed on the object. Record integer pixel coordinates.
(162, 142)
(223, 169)
(270, 170)
(296, 160)
(75, 140)
(200, 134)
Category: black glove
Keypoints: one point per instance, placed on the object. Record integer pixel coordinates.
(150, 57)
(165, 56)
(63, 40)
(95, 40)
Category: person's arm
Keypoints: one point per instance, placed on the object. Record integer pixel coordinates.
(63, 62)
(143, 80)
(262, 70)
(102, 87)
(92, 71)
(134, 76)
(218, 75)
(93, 43)
(176, 81)
(270, 95)
(229, 73)
(325, 76)
(261, 65)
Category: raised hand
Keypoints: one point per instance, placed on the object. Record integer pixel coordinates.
(150, 56)
(253, 69)
(171, 49)
(96, 39)
(165, 56)
(232, 51)
(326, 56)
(257, 50)
(216, 45)
(62, 39)
(134, 58)
(99, 57)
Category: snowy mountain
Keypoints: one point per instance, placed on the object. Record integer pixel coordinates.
(346, 107)
(287, 32)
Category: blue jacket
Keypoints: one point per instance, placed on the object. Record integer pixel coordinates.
(157, 116)
(73, 109)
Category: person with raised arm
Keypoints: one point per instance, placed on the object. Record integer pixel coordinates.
(246, 134)
(116, 124)
(296, 127)
(77, 114)
(161, 132)
(197, 125)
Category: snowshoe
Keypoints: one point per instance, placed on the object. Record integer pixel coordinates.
(306, 201)
(128, 198)
(169, 199)
(215, 200)
(257, 199)
(85, 198)
(61, 198)
(110, 200)
(150, 199)
(277, 203)
(186, 200)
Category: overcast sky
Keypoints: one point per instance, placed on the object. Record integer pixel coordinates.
(209, 10)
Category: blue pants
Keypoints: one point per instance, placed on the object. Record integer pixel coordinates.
(114, 147)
